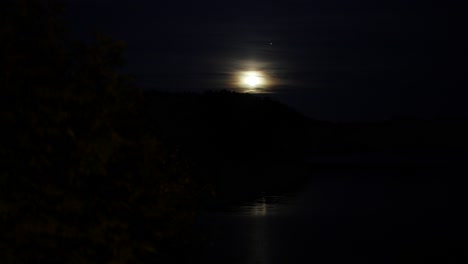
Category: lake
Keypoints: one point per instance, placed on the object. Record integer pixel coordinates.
(359, 216)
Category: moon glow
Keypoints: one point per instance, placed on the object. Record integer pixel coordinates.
(252, 79)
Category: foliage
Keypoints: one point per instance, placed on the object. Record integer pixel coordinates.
(82, 180)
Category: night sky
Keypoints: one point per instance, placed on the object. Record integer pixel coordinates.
(336, 60)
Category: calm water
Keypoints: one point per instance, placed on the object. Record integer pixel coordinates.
(359, 217)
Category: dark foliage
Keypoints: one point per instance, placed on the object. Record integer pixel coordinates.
(82, 180)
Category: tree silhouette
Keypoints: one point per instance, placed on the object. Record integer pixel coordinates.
(82, 180)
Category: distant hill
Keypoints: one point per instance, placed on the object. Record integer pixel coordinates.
(247, 143)
(406, 135)
(242, 143)
(231, 125)
(238, 126)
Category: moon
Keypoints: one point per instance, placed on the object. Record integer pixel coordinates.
(252, 79)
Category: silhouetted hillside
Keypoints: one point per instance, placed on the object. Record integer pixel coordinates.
(231, 137)
(249, 143)
(408, 135)
(400, 143)
(230, 125)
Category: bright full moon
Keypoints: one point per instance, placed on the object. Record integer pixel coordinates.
(252, 79)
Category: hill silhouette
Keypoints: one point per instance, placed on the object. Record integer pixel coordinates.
(234, 125)
(244, 144)
(240, 143)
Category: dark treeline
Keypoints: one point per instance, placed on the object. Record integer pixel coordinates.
(398, 144)
(241, 144)
(244, 144)
(404, 135)
(229, 125)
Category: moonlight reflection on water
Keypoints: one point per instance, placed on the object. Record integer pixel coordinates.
(265, 206)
